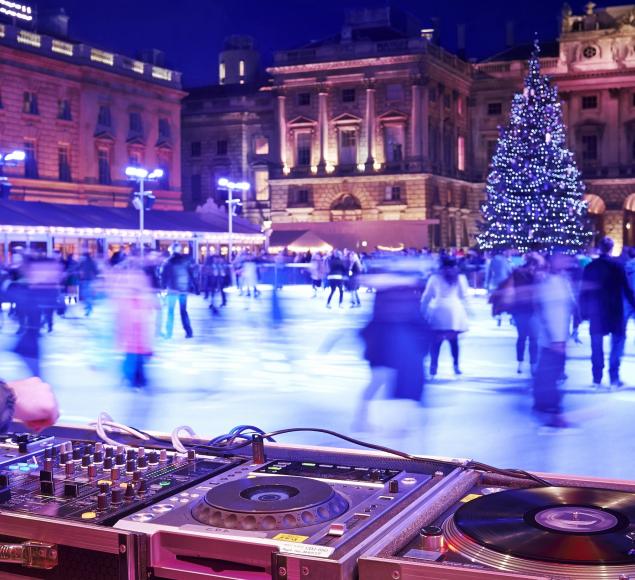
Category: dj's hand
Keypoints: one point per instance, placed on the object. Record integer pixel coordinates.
(35, 403)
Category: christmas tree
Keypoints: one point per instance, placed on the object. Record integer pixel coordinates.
(534, 189)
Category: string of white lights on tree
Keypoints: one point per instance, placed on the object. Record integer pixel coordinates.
(534, 189)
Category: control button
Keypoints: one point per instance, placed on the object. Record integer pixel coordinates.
(393, 486)
(89, 515)
(195, 495)
(336, 530)
(47, 487)
(71, 489)
(155, 486)
(184, 494)
(162, 508)
(145, 517)
(164, 483)
(408, 480)
(184, 500)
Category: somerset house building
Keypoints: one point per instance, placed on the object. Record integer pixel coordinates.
(378, 124)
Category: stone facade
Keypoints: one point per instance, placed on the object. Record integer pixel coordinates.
(82, 115)
(380, 123)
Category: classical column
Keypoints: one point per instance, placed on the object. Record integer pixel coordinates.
(323, 127)
(370, 125)
(415, 122)
(282, 130)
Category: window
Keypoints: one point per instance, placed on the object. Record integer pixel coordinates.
(301, 196)
(393, 193)
(221, 72)
(348, 147)
(460, 153)
(135, 122)
(589, 148)
(459, 105)
(394, 92)
(135, 158)
(432, 95)
(64, 109)
(393, 143)
(348, 95)
(104, 118)
(103, 165)
(165, 132)
(29, 103)
(195, 148)
(589, 51)
(590, 102)
(221, 147)
(196, 189)
(261, 184)
(241, 68)
(164, 180)
(30, 160)
(303, 149)
(494, 108)
(304, 99)
(446, 101)
(63, 163)
(261, 145)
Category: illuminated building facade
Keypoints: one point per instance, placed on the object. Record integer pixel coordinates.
(381, 124)
(82, 115)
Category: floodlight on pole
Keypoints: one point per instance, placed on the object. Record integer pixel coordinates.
(231, 186)
(139, 174)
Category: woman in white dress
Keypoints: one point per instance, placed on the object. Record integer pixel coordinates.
(444, 306)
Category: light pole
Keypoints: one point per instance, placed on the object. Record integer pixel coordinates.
(230, 187)
(9, 159)
(139, 174)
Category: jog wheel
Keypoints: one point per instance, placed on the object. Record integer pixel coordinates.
(269, 503)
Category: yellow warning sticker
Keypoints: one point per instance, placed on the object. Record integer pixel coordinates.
(290, 538)
(470, 497)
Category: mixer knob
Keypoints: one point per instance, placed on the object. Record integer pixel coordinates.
(129, 491)
(191, 455)
(102, 501)
(114, 474)
(48, 452)
(375, 474)
(70, 469)
(131, 454)
(65, 457)
(46, 475)
(120, 459)
(48, 464)
(47, 487)
(4, 480)
(163, 456)
(68, 446)
(99, 446)
(92, 471)
(142, 462)
(109, 451)
(98, 457)
(56, 450)
(121, 449)
(117, 495)
(153, 458)
(131, 465)
(143, 486)
(108, 463)
(77, 453)
(87, 460)
(136, 475)
(141, 451)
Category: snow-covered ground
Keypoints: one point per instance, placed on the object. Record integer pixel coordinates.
(238, 369)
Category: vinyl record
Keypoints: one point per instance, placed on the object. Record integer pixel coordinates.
(568, 525)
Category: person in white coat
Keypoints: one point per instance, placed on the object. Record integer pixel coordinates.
(444, 304)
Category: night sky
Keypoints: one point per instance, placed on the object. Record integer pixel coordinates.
(191, 32)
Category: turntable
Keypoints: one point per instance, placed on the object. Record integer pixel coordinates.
(263, 521)
(569, 531)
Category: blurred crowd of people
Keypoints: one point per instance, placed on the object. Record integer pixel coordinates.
(420, 300)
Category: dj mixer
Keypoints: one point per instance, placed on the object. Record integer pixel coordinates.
(73, 507)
